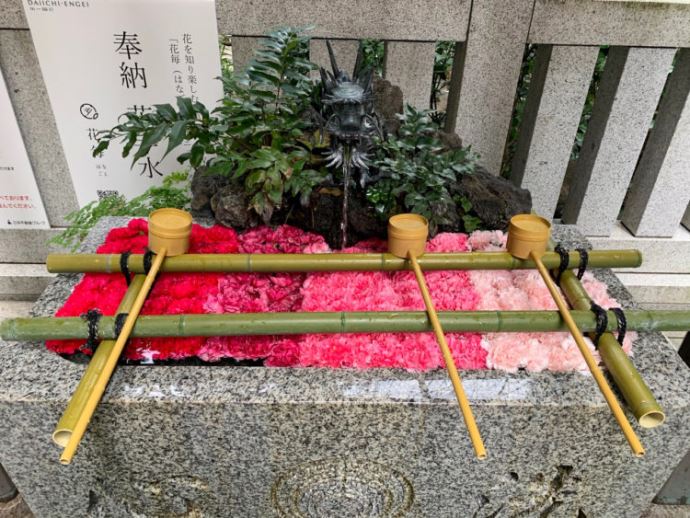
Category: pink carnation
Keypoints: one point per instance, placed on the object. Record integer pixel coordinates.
(525, 290)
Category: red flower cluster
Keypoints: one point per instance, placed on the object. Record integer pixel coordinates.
(173, 293)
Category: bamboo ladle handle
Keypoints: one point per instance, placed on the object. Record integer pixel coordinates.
(465, 408)
(606, 391)
(102, 381)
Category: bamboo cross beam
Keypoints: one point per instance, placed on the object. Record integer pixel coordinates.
(77, 404)
(286, 323)
(94, 396)
(110, 263)
(631, 385)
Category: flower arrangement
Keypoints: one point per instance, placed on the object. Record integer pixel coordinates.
(337, 291)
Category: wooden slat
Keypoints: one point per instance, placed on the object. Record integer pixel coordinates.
(558, 90)
(413, 20)
(243, 50)
(410, 65)
(629, 92)
(482, 92)
(588, 22)
(660, 189)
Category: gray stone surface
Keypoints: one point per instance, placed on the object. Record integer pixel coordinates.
(36, 121)
(12, 15)
(596, 22)
(221, 441)
(686, 218)
(558, 89)
(23, 281)
(407, 20)
(345, 55)
(243, 50)
(660, 188)
(485, 90)
(27, 245)
(628, 94)
(410, 66)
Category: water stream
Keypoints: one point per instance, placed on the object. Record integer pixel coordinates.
(347, 170)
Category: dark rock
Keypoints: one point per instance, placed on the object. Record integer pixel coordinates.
(450, 141)
(231, 208)
(204, 186)
(494, 199)
(388, 102)
(323, 216)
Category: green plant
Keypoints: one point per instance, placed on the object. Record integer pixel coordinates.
(258, 135)
(174, 192)
(417, 172)
(372, 55)
(443, 67)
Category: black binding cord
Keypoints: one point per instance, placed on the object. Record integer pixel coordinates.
(92, 317)
(148, 261)
(565, 260)
(602, 322)
(622, 323)
(124, 267)
(584, 260)
(119, 323)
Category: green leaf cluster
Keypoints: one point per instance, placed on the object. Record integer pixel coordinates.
(416, 171)
(258, 135)
(174, 192)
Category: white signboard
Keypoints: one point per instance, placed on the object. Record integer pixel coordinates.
(20, 201)
(101, 58)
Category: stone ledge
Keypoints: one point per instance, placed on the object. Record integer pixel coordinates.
(23, 281)
(662, 255)
(27, 245)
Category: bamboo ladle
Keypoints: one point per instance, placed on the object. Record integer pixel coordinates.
(407, 235)
(169, 231)
(528, 237)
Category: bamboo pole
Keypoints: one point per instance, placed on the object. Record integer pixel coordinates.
(102, 381)
(284, 323)
(460, 395)
(631, 385)
(606, 391)
(77, 404)
(109, 263)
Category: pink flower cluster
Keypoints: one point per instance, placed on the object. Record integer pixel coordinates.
(524, 290)
(261, 292)
(384, 291)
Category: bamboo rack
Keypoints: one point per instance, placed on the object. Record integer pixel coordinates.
(283, 323)
(631, 385)
(188, 263)
(103, 377)
(75, 407)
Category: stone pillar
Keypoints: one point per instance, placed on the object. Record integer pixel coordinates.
(345, 54)
(35, 117)
(558, 89)
(485, 88)
(243, 48)
(410, 65)
(627, 97)
(660, 189)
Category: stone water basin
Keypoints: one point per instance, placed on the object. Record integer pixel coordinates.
(253, 441)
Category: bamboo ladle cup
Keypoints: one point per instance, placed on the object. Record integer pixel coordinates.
(407, 235)
(169, 231)
(528, 237)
